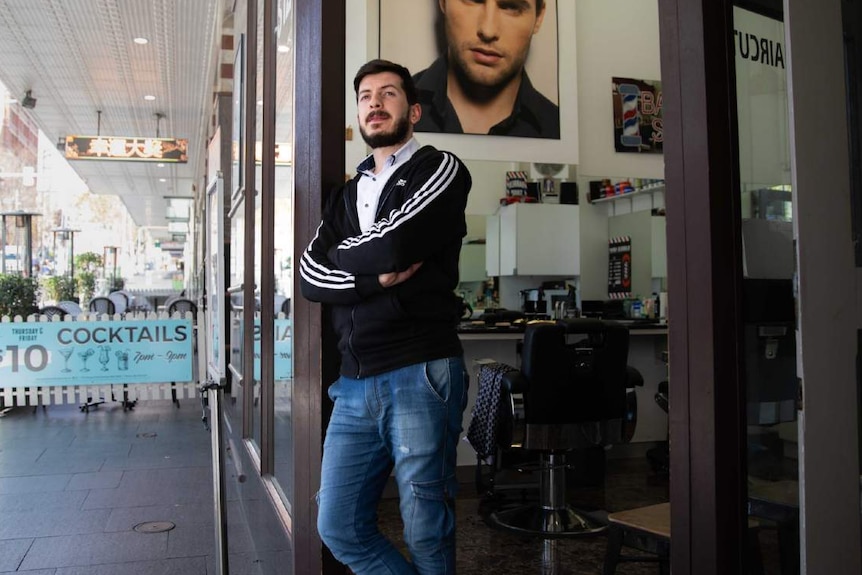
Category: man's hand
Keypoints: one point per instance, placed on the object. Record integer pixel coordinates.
(394, 278)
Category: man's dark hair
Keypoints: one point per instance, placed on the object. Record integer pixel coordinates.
(539, 5)
(380, 66)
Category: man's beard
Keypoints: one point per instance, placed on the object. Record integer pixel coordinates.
(386, 139)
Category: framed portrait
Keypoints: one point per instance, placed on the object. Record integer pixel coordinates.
(451, 41)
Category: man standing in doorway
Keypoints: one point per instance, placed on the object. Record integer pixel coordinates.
(480, 85)
(385, 259)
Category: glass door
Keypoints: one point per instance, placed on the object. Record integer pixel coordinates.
(769, 328)
(281, 263)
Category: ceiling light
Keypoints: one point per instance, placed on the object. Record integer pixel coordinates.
(160, 165)
(162, 180)
(283, 48)
(260, 102)
(149, 97)
(141, 40)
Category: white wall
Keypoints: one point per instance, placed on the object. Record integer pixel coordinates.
(615, 38)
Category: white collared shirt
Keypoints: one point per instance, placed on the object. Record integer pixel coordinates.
(370, 185)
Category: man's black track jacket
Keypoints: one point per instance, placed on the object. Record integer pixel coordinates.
(420, 218)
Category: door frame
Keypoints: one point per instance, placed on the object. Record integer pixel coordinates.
(707, 415)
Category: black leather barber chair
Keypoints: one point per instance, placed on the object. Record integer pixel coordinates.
(571, 394)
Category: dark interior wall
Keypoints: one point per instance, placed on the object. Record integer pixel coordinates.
(851, 14)
(771, 8)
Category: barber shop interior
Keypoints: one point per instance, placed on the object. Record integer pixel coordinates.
(657, 303)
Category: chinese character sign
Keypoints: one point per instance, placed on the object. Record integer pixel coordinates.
(131, 149)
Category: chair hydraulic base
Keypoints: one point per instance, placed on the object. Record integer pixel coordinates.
(549, 523)
(551, 516)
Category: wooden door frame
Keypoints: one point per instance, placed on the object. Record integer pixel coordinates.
(707, 416)
(318, 162)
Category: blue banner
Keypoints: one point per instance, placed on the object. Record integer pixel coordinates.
(95, 352)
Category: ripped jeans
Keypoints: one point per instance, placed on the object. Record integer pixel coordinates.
(409, 420)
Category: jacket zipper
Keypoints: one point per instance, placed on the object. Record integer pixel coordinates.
(390, 185)
(350, 208)
(350, 342)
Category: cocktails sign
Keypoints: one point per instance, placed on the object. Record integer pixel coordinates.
(95, 352)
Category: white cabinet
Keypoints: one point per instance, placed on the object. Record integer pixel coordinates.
(492, 246)
(471, 265)
(534, 239)
(658, 227)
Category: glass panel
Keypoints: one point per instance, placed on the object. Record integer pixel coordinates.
(256, 409)
(769, 337)
(284, 235)
(234, 402)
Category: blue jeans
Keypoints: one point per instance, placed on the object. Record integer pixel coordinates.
(409, 420)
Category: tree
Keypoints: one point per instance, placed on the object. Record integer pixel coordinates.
(88, 262)
(18, 295)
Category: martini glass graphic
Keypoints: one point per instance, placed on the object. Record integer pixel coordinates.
(85, 355)
(66, 352)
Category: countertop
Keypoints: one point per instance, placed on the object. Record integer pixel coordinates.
(475, 330)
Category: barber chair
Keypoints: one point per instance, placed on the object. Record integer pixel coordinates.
(570, 394)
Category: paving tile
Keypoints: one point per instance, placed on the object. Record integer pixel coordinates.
(12, 551)
(13, 464)
(94, 549)
(58, 500)
(89, 450)
(33, 484)
(69, 465)
(158, 461)
(148, 487)
(179, 566)
(97, 480)
(48, 522)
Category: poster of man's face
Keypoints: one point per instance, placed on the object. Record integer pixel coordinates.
(480, 66)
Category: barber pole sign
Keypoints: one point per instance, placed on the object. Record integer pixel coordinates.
(620, 267)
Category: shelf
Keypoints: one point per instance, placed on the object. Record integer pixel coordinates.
(637, 192)
(640, 199)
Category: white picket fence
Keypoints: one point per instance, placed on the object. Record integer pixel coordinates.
(79, 394)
